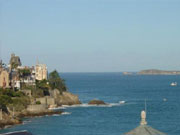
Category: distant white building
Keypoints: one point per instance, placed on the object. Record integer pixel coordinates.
(41, 72)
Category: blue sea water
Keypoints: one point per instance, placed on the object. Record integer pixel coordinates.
(116, 119)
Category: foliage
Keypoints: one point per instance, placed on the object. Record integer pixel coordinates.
(38, 102)
(4, 108)
(14, 65)
(19, 103)
(24, 73)
(27, 87)
(12, 99)
(56, 82)
(44, 84)
(11, 93)
(41, 89)
(5, 100)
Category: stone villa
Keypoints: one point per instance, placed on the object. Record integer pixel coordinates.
(10, 76)
(4, 77)
(41, 72)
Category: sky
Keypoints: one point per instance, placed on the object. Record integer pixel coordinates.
(92, 35)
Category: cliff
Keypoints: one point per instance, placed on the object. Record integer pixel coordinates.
(158, 72)
(8, 120)
(67, 98)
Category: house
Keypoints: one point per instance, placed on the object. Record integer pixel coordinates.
(41, 72)
(27, 75)
(15, 79)
(4, 78)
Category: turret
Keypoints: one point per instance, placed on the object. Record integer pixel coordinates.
(143, 118)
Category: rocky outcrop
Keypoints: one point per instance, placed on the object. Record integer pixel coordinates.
(36, 114)
(8, 121)
(67, 98)
(96, 102)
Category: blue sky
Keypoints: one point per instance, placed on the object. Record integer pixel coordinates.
(92, 35)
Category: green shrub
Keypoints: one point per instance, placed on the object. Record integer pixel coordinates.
(19, 103)
(4, 108)
(5, 100)
(38, 102)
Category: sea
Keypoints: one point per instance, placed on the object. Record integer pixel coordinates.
(126, 95)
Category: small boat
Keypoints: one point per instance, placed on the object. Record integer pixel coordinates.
(174, 84)
(122, 102)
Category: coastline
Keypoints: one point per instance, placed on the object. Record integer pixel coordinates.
(54, 111)
(9, 121)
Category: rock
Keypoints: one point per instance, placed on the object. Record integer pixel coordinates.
(68, 98)
(36, 114)
(96, 102)
(8, 120)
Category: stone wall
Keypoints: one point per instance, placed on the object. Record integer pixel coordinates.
(42, 100)
(37, 108)
(27, 92)
(46, 100)
(54, 93)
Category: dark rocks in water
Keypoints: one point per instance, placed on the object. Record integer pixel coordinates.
(96, 102)
(37, 114)
(18, 133)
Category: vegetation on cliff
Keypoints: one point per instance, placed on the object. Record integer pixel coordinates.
(56, 82)
(13, 99)
(43, 87)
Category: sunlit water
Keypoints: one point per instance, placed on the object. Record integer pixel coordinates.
(163, 106)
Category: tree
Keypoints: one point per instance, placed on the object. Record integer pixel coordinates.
(24, 73)
(56, 82)
(5, 100)
(43, 85)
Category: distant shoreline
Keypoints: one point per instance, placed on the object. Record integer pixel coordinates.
(129, 73)
(158, 72)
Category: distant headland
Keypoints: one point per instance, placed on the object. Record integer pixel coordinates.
(158, 72)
